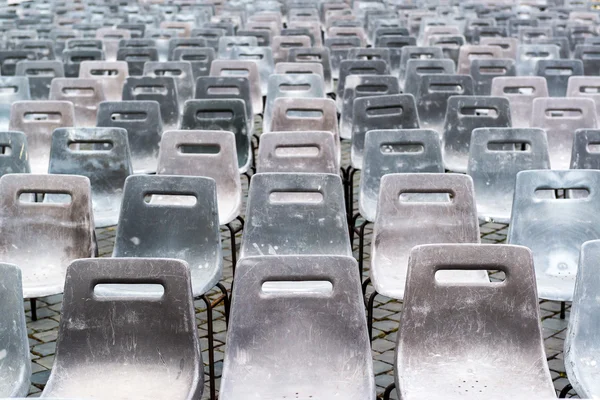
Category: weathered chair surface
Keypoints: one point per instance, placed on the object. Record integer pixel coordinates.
(205, 153)
(338, 51)
(199, 58)
(15, 157)
(396, 111)
(508, 45)
(489, 329)
(161, 89)
(314, 55)
(585, 86)
(94, 344)
(391, 151)
(111, 74)
(415, 69)
(416, 52)
(415, 209)
(496, 155)
(40, 74)
(558, 73)
(43, 238)
(555, 242)
(143, 123)
(262, 56)
(72, 60)
(297, 331)
(295, 213)
(100, 154)
(300, 68)
(221, 114)
(581, 345)
(84, 93)
(242, 68)
(37, 120)
(520, 92)
(180, 71)
(357, 67)
(167, 216)
(529, 54)
(136, 57)
(12, 89)
(472, 52)
(15, 366)
(560, 118)
(584, 155)
(301, 151)
(484, 70)
(463, 115)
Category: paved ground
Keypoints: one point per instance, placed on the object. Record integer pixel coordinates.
(43, 332)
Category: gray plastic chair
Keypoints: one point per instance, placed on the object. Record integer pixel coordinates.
(587, 87)
(338, 51)
(10, 58)
(555, 242)
(100, 154)
(357, 67)
(484, 70)
(37, 120)
(110, 74)
(180, 71)
(560, 118)
(15, 366)
(581, 346)
(209, 154)
(200, 59)
(557, 74)
(13, 89)
(584, 155)
(136, 57)
(520, 92)
(475, 51)
(227, 43)
(464, 114)
(84, 93)
(143, 123)
(433, 95)
(588, 54)
(416, 52)
(161, 89)
(165, 361)
(396, 111)
(226, 87)
(300, 68)
(295, 213)
(72, 60)
(303, 151)
(414, 209)
(314, 55)
(184, 43)
(496, 155)
(415, 69)
(290, 85)
(529, 54)
(363, 86)
(40, 75)
(329, 357)
(392, 151)
(63, 231)
(225, 115)
(460, 360)
(262, 56)
(15, 155)
(241, 68)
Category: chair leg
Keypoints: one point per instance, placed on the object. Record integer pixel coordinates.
(563, 306)
(211, 348)
(364, 287)
(226, 302)
(361, 246)
(351, 172)
(565, 391)
(232, 232)
(32, 302)
(370, 306)
(388, 391)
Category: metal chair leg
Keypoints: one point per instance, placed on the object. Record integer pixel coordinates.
(370, 306)
(32, 302)
(365, 284)
(211, 348)
(361, 247)
(232, 233)
(226, 302)
(388, 391)
(565, 391)
(563, 307)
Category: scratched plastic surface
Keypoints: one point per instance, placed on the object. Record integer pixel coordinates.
(15, 160)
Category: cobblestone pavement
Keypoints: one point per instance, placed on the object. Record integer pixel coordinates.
(43, 332)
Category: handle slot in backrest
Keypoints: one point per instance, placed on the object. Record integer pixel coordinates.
(104, 72)
(590, 55)
(235, 72)
(158, 198)
(308, 57)
(382, 111)
(168, 72)
(5, 150)
(561, 71)
(296, 197)
(442, 273)
(41, 72)
(214, 114)
(77, 59)
(445, 88)
(90, 145)
(9, 89)
(372, 88)
(402, 148)
(474, 111)
(295, 87)
(509, 145)
(35, 116)
(78, 91)
(563, 112)
(593, 147)
(303, 288)
(589, 89)
(488, 70)
(288, 44)
(362, 71)
(304, 113)
(525, 90)
(138, 57)
(430, 70)
(426, 196)
(194, 57)
(129, 116)
(548, 193)
(297, 150)
(51, 197)
(421, 56)
(237, 44)
(254, 57)
(224, 90)
(536, 54)
(14, 59)
(119, 291)
(154, 89)
(479, 54)
(199, 148)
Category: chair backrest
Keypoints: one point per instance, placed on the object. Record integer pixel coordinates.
(170, 216)
(286, 291)
(72, 60)
(175, 369)
(144, 127)
(180, 71)
(262, 56)
(415, 53)
(43, 48)
(433, 95)
(15, 365)
(496, 155)
(560, 118)
(465, 113)
(227, 43)
(37, 120)
(85, 94)
(484, 70)
(100, 154)
(221, 114)
(227, 87)
(300, 68)
(358, 67)
(415, 69)
(557, 74)
(587, 87)
(414, 209)
(314, 55)
(585, 154)
(363, 86)
(508, 45)
(397, 111)
(110, 74)
(40, 75)
(205, 153)
(290, 85)
(211, 35)
(13, 89)
(473, 52)
(529, 54)
(588, 54)
(15, 155)
(241, 68)
(581, 342)
(185, 43)
(278, 206)
(63, 231)
(161, 89)
(303, 151)
(136, 57)
(338, 50)
(520, 92)
(391, 151)
(471, 314)
(555, 242)
(10, 58)
(200, 59)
